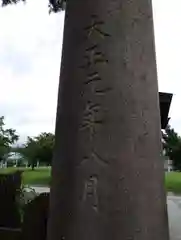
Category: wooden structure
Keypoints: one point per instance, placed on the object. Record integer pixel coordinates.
(165, 102)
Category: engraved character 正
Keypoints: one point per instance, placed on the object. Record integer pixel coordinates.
(94, 56)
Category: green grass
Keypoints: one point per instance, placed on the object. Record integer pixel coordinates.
(40, 176)
(173, 182)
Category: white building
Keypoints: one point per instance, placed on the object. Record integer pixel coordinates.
(168, 166)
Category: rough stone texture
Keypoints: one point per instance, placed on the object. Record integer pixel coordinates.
(10, 234)
(9, 213)
(108, 179)
(34, 225)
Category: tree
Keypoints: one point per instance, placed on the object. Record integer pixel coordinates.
(38, 148)
(7, 138)
(54, 5)
(30, 151)
(45, 146)
(106, 166)
(172, 147)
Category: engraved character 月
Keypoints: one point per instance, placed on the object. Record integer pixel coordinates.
(90, 192)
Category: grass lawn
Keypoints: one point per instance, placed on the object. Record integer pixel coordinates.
(173, 182)
(40, 176)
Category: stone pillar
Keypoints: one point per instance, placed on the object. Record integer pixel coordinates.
(108, 177)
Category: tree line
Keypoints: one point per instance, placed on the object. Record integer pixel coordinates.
(35, 149)
(40, 148)
(172, 146)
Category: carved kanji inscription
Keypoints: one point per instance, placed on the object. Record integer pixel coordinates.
(90, 191)
(93, 77)
(93, 56)
(96, 27)
(96, 158)
(90, 119)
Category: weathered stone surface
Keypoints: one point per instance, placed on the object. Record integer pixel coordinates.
(34, 225)
(107, 172)
(9, 212)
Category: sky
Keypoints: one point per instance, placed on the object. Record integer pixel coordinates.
(30, 55)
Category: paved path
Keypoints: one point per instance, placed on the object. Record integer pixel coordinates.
(41, 189)
(174, 216)
(174, 213)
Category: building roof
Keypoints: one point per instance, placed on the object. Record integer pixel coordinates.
(165, 102)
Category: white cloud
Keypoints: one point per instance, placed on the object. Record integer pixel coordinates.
(168, 47)
(30, 54)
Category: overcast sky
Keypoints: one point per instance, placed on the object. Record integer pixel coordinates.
(30, 54)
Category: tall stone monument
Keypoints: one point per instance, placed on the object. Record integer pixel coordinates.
(107, 177)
